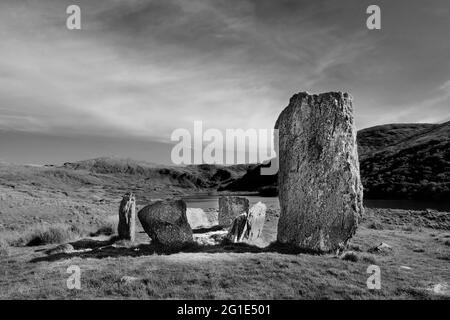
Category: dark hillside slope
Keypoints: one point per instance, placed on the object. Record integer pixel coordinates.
(376, 138)
(415, 167)
(397, 161)
(193, 176)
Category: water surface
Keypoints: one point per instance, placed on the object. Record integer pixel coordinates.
(212, 201)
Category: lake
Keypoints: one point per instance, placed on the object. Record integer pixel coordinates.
(211, 201)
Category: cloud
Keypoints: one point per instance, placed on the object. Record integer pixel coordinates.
(144, 68)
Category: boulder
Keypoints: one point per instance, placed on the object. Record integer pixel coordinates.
(382, 248)
(198, 218)
(166, 223)
(230, 208)
(127, 217)
(211, 238)
(319, 184)
(255, 221)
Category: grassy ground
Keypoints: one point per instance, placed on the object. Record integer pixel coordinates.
(35, 214)
(418, 263)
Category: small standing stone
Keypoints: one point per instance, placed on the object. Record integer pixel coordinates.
(127, 217)
(238, 229)
(255, 221)
(230, 208)
(248, 227)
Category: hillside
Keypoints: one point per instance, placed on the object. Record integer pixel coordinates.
(376, 138)
(108, 179)
(194, 176)
(397, 161)
(414, 167)
(76, 205)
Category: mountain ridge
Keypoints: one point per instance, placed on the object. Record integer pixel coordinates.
(397, 161)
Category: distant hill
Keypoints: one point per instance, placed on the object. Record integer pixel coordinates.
(115, 176)
(193, 176)
(397, 161)
(376, 138)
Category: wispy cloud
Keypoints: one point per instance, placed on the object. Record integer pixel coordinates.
(143, 68)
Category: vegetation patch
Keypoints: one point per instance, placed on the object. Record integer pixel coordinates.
(109, 228)
(44, 234)
(4, 248)
(350, 256)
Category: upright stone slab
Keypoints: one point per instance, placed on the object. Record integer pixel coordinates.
(255, 221)
(238, 229)
(320, 188)
(230, 208)
(248, 227)
(127, 217)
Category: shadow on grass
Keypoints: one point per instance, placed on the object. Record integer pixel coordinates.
(205, 230)
(95, 249)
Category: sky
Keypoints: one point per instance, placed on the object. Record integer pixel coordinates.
(139, 69)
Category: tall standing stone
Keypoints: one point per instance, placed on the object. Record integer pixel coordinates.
(320, 188)
(230, 208)
(127, 217)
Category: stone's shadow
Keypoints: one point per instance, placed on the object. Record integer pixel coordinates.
(206, 230)
(92, 244)
(95, 249)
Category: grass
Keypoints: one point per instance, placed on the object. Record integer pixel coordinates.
(4, 248)
(350, 256)
(108, 228)
(359, 256)
(375, 225)
(225, 274)
(368, 258)
(57, 233)
(50, 234)
(42, 235)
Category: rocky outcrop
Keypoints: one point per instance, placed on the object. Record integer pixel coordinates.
(230, 208)
(127, 217)
(319, 183)
(166, 223)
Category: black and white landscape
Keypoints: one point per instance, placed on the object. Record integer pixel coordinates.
(93, 206)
